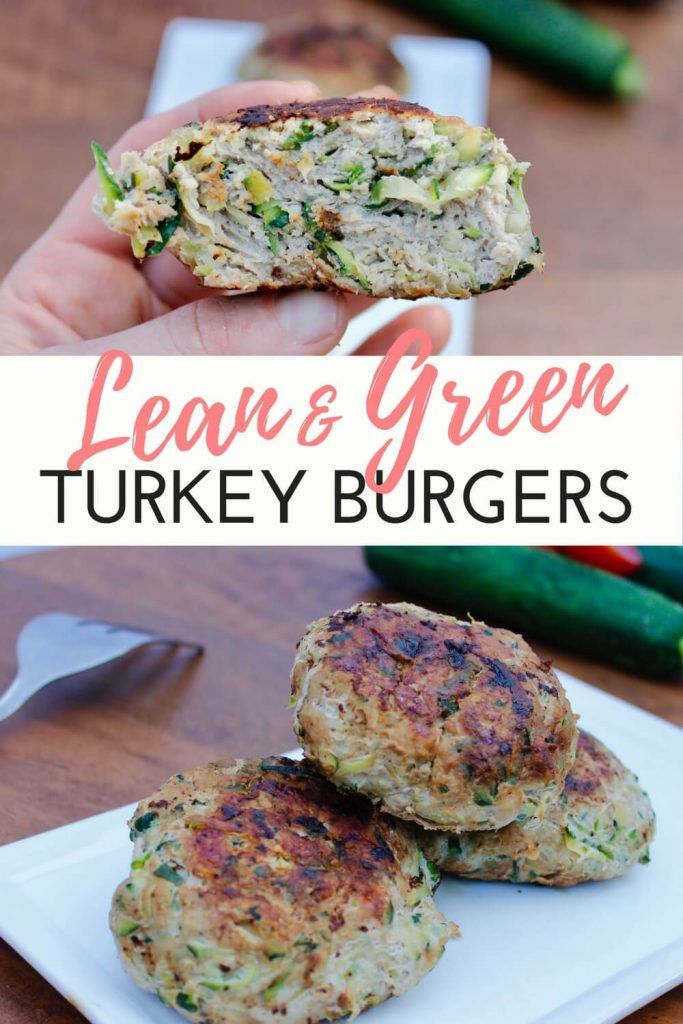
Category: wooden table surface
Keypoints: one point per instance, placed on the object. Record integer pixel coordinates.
(604, 188)
(99, 742)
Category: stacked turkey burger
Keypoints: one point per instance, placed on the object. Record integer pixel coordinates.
(299, 892)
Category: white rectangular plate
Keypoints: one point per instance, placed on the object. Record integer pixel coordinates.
(527, 955)
(450, 76)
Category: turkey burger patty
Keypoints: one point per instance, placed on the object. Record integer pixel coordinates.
(378, 197)
(259, 893)
(450, 724)
(602, 825)
(341, 57)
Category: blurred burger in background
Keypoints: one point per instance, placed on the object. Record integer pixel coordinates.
(340, 56)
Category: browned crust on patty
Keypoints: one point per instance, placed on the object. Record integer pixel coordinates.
(592, 771)
(602, 809)
(453, 725)
(329, 45)
(328, 846)
(342, 57)
(331, 109)
(256, 888)
(426, 669)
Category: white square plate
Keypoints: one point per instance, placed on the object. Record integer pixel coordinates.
(528, 955)
(450, 76)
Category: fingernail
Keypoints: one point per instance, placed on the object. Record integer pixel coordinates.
(304, 85)
(309, 318)
(302, 90)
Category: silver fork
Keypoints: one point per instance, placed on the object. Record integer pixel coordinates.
(56, 646)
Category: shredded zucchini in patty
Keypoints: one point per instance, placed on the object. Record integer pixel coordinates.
(382, 199)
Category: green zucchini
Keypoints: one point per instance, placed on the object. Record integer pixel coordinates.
(109, 185)
(543, 595)
(662, 570)
(553, 39)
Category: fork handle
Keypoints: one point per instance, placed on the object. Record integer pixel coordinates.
(12, 699)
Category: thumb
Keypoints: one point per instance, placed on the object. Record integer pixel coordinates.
(293, 323)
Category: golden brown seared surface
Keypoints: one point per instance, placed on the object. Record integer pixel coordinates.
(340, 57)
(334, 108)
(326, 846)
(592, 771)
(602, 825)
(449, 723)
(258, 893)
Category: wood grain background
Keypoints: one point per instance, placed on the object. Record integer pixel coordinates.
(604, 187)
(103, 740)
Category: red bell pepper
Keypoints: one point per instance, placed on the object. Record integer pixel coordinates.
(622, 561)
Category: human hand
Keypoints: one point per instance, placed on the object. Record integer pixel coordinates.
(79, 291)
